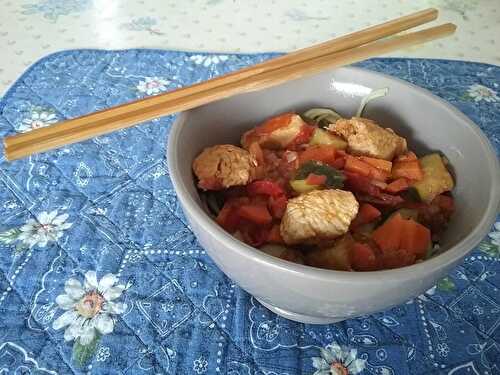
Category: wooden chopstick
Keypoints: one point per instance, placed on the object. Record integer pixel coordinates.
(266, 79)
(336, 45)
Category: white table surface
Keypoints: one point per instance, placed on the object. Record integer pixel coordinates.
(31, 29)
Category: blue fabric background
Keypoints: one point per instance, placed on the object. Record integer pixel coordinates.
(181, 315)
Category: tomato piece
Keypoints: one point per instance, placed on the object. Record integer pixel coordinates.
(315, 179)
(407, 169)
(306, 132)
(277, 206)
(361, 184)
(322, 153)
(258, 214)
(397, 259)
(382, 199)
(265, 187)
(397, 186)
(274, 123)
(388, 235)
(228, 218)
(254, 235)
(275, 235)
(416, 238)
(338, 163)
(366, 214)
(363, 257)
(381, 164)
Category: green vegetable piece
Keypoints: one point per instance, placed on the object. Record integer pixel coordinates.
(334, 178)
(323, 137)
(436, 179)
(301, 186)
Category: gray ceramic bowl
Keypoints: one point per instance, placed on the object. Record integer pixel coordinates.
(312, 295)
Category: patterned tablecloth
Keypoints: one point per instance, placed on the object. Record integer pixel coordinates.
(100, 273)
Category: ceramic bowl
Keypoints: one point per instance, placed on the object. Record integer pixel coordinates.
(313, 295)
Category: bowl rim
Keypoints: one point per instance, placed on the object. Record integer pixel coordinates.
(429, 266)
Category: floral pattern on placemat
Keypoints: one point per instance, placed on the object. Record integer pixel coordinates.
(100, 273)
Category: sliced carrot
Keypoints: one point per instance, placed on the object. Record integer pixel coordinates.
(355, 165)
(381, 164)
(397, 186)
(274, 123)
(416, 238)
(323, 153)
(275, 235)
(258, 214)
(388, 235)
(315, 179)
(366, 214)
(407, 169)
(363, 257)
(409, 156)
(378, 174)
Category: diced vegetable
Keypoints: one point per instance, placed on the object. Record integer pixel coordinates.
(301, 186)
(388, 235)
(416, 238)
(228, 218)
(275, 235)
(398, 258)
(274, 123)
(407, 169)
(366, 214)
(306, 132)
(367, 192)
(407, 213)
(339, 163)
(363, 257)
(397, 186)
(324, 137)
(277, 206)
(258, 214)
(265, 187)
(436, 178)
(322, 153)
(336, 257)
(334, 178)
(382, 199)
(362, 168)
(315, 179)
(377, 163)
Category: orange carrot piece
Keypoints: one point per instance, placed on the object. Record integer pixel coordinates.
(397, 186)
(407, 169)
(274, 123)
(381, 164)
(416, 238)
(388, 235)
(355, 165)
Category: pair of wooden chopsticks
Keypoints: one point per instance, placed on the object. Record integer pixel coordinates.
(347, 49)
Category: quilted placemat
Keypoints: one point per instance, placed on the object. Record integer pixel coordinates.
(100, 273)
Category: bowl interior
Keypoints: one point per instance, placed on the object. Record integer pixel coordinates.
(426, 121)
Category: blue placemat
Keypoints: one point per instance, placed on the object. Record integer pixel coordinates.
(102, 215)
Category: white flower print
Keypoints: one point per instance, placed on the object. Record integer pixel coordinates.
(89, 308)
(102, 354)
(338, 360)
(48, 227)
(206, 61)
(443, 349)
(39, 119)
(477, 310)
(200, 365)
(495, 235)
(480, 92)
(152, 85)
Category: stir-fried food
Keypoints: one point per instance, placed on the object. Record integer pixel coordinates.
(329, 192)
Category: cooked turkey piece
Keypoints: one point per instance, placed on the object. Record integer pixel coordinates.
(318, 216)
(365, 138)
(223, 166)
